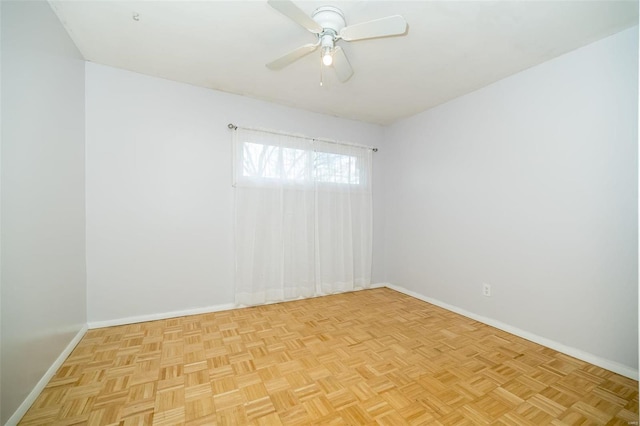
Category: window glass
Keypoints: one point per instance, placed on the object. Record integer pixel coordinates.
(272, 162)
(266, 159)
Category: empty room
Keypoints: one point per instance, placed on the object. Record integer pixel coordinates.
(307, 212)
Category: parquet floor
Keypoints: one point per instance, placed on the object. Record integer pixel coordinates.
(369, 357)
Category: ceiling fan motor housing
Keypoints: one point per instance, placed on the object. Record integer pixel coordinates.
(330, 19)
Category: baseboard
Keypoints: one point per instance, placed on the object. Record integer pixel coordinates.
(42, 383)
(380, 285)
(183, 313)
(568, 350)
(160, 316)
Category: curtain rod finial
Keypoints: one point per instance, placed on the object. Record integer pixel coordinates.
(231, 126)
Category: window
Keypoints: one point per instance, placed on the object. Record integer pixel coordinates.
(297, 161)
(336, 168)
(261, 161)
(302, 217)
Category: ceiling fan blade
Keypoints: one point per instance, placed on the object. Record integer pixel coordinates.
(341, 64)
(294, 13)
(292, 56)
(383, 27)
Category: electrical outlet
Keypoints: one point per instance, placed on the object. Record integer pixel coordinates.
(486, 290)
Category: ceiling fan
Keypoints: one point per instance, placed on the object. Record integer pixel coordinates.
(329, 25)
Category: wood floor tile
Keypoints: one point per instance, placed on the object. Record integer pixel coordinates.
(374, 357)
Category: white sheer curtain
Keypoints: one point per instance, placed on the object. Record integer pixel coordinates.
(303, 217)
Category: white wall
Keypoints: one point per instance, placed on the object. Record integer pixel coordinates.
(159, 196)
(43, 287)
(530, 185)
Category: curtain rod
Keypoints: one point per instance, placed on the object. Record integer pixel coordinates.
(234, 127)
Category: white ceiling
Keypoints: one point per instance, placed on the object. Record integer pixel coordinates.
(451, 48)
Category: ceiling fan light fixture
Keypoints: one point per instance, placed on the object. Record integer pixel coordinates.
(327, 39)
(327, 56)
